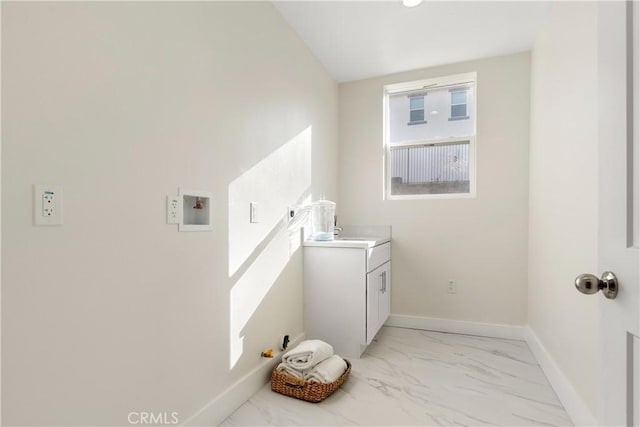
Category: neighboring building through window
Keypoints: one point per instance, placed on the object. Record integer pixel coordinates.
(416, 110)
(437, 158)
(458, 104)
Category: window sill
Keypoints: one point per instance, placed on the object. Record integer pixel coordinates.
(452, 119)
(420, 122)
(450, 196)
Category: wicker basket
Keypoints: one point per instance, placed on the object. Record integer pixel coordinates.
(304, 390)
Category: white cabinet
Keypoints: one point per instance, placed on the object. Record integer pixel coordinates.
(347, 293)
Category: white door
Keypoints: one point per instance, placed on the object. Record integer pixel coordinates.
(618, 211)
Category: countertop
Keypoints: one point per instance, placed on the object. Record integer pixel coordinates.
(349, 242)
(355, 237)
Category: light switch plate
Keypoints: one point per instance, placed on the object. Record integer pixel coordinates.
(47, 204)
(253, 215)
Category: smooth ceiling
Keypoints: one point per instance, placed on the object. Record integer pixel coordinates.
(361, 39)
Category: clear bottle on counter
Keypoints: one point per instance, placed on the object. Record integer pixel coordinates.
(322, 219)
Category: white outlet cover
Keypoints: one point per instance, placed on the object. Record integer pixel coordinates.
(452, 287)
(174, 209)
(47, 204)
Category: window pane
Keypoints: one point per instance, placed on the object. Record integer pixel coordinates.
(416, 115)
(430, 169)
(459, 97)
(416, 103)
(459, 110)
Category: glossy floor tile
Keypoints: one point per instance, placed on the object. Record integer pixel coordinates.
(421, 378)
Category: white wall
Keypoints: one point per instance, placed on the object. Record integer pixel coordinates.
(479, 242)
(563, 215)
(121, 104)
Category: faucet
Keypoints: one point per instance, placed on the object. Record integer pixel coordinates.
(336, 229)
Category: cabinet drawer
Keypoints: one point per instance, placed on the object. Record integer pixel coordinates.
(378, 255)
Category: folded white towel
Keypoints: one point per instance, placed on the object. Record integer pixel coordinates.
(307, 354)
(327, 371)
(283, 367)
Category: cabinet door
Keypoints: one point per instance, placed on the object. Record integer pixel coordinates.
(378, 299)
(384, 302)
(374, 290)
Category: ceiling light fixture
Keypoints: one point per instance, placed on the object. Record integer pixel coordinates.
(411, 3)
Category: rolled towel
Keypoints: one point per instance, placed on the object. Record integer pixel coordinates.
(327, 371)
(307, 354)
(284, 368)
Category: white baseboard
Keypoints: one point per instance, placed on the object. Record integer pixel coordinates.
(577, 410)
(493, 330)
(225, 404)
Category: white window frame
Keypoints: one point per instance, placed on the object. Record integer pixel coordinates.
(447, 81)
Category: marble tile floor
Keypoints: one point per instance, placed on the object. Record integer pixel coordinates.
(409, 377)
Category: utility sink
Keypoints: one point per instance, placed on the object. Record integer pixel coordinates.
(355, 237)
(349, 242)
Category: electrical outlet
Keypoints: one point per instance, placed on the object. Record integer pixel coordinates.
(47, 204)
(452, 287)
(173, 210)
(253, 215)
